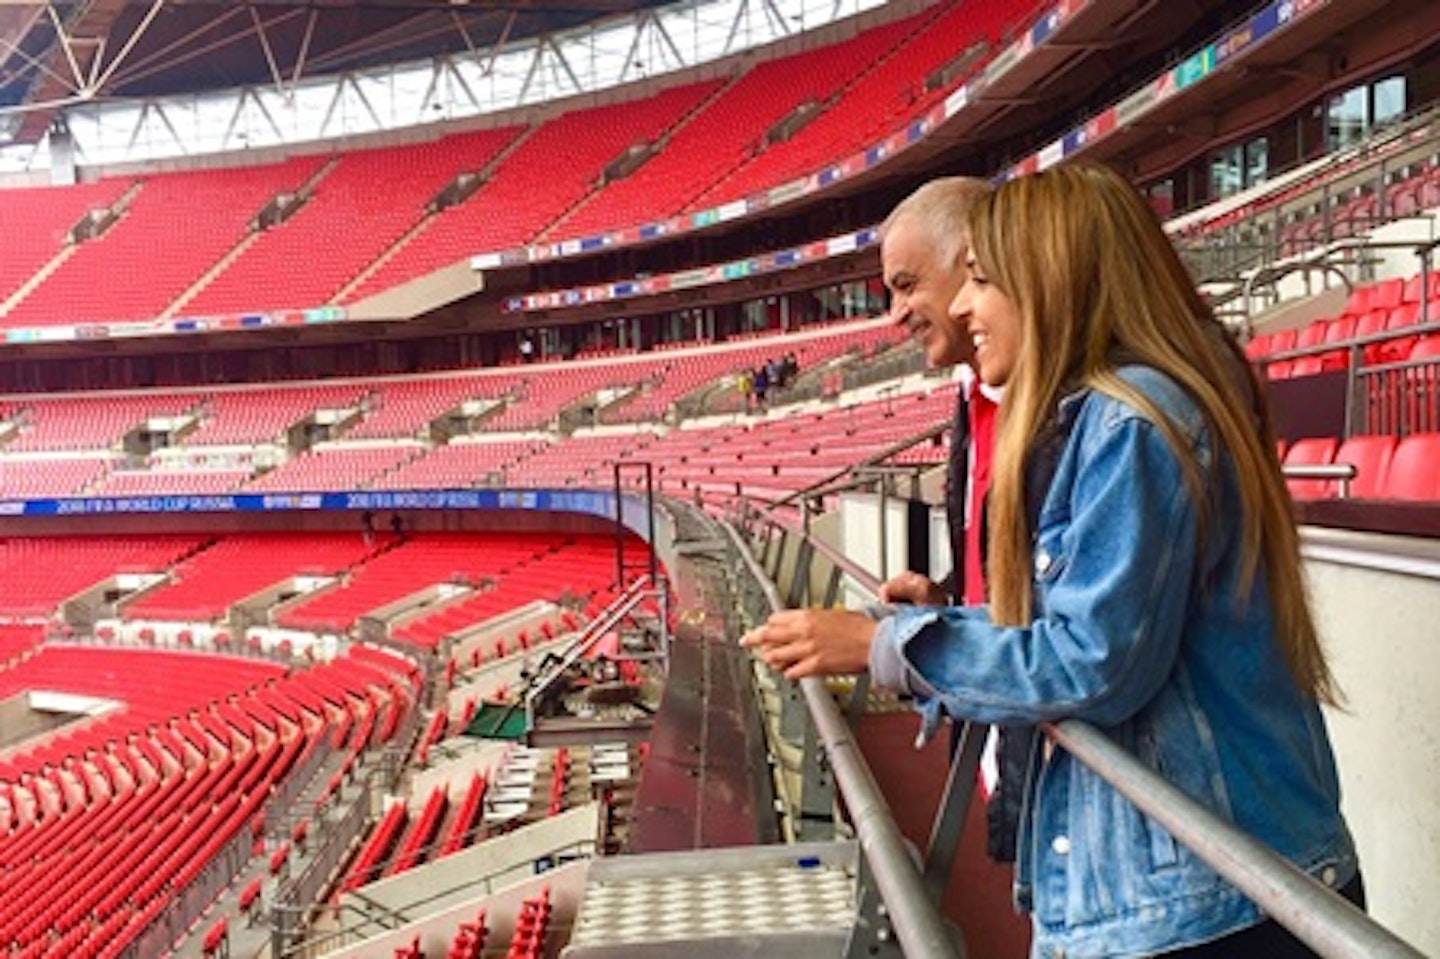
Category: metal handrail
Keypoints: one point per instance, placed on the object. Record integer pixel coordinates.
(1311, 911)
(917, 923)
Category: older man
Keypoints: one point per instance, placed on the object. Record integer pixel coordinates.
(922, 256)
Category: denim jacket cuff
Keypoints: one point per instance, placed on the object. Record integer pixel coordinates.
(887, 664)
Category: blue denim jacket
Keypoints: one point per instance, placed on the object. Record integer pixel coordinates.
(1140, 629)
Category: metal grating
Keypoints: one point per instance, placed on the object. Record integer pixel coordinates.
(717, 897)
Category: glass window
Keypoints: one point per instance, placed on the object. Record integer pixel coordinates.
(1347, 117)
(1257, 161)
(1390, 99)
(1226, 174)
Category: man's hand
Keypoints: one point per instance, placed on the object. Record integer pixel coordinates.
(911, 588)
(813, 642)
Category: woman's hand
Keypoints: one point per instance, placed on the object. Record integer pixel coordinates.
(813, 642)
(911, 587)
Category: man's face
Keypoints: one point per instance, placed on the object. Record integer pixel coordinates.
(922, 287)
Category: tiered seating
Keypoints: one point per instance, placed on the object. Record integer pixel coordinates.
(462, 465)
(718, 139)
(336, 468)
(17, 639)
(189, 219)
(553, 168)
(580, 460)
(370, 863)
(405, 407)
(426, 560)
(469, 941)
(693, 369)
(366, 202)
(1385, 310)
(39, 574)
(581, 566)
(880, 100)
(171, 482)
(105, 827)
(93, 421)
(542, 400)
(205, 585)
(262, 415)
(35, 478)
(777, 457)
(34, 223)
(531, 927)
(462, 825)
(415, 843)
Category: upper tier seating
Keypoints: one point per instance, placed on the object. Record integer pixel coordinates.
(35, 222)
(719, 138)
(880, 100)
(366, 202)
(554, 167)
(177, 225)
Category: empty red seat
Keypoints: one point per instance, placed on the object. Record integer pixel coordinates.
(1414, 473)
(1387, 294)
(1312, 334)
(1370, 455)
(1340, 330)
(1311, 451)
(1426, 348)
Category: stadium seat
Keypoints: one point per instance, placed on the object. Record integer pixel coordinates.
(1370, 455)
(1311, 451)
(1414, 473)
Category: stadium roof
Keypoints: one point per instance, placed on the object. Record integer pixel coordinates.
(57, 54)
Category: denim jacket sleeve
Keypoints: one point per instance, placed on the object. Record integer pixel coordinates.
(1114, 572)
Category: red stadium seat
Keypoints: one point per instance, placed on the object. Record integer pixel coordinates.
(1312, 451)
(1370, 455)
(1415, 469)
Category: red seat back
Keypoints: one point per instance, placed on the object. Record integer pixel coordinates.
(1370, 455)
(1414, 473)
(1311, 451)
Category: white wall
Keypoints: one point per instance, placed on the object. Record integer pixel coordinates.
(1383, 634)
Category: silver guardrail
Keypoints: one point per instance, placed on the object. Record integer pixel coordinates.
(1312, 912)
(912, 912)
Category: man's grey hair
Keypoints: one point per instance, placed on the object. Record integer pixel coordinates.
(941, 209)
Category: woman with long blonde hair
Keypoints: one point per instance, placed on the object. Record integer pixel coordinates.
(1144, 575)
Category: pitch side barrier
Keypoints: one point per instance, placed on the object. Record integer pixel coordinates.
(1315, 914)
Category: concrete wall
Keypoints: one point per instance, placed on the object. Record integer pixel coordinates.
(1383, 635)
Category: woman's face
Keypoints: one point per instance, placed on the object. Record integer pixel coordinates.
(993, 322)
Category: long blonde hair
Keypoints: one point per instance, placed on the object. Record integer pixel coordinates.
(1094, 277)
